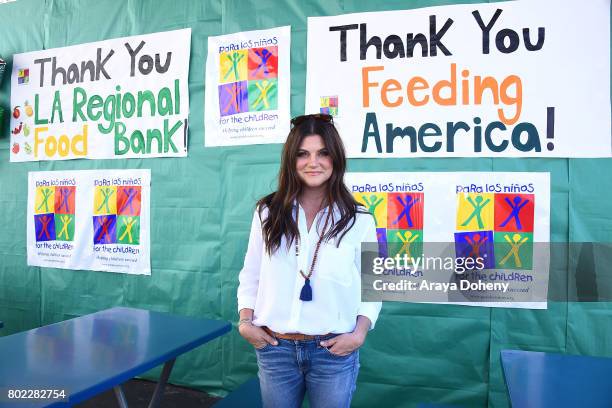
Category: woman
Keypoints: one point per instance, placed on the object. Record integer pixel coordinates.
(299, 296)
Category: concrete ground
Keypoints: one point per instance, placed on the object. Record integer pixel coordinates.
(138, 394)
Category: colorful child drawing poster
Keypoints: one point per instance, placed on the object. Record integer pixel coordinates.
(497, 226)
(90, 219)
(248, 88)
(501, 219)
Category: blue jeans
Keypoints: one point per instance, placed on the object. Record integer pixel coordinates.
(292, 368)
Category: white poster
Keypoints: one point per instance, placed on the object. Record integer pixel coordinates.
(248, 82)
(90, 219)
(503, 219)
(528, 78)
(114, 99)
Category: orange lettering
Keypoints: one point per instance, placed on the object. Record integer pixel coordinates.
(451, 85)
(516, 100)
(366, 84)
(417, 83)
(391, 85)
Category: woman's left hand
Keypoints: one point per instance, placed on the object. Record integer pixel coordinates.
(344, 344)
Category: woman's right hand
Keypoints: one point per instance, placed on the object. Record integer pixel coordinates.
(256, 335)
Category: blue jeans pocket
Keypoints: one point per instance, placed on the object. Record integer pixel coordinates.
(264, 348)
(352, 353)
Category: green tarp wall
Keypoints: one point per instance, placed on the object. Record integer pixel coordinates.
(201, 210)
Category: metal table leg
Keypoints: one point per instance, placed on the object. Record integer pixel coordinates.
(159, 389)
(120, 396)
(163, 379)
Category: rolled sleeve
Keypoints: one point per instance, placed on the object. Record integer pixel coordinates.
(371, 311)
(249, 275)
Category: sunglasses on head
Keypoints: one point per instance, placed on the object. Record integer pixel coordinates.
(298, 120)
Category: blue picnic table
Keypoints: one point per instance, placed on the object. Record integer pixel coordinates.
(543, 380)
(90, 354)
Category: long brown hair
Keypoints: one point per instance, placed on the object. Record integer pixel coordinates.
(280, 221)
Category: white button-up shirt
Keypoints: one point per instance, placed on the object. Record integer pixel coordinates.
(271, 285)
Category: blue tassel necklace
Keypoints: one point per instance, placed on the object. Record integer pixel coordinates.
(306, 292)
